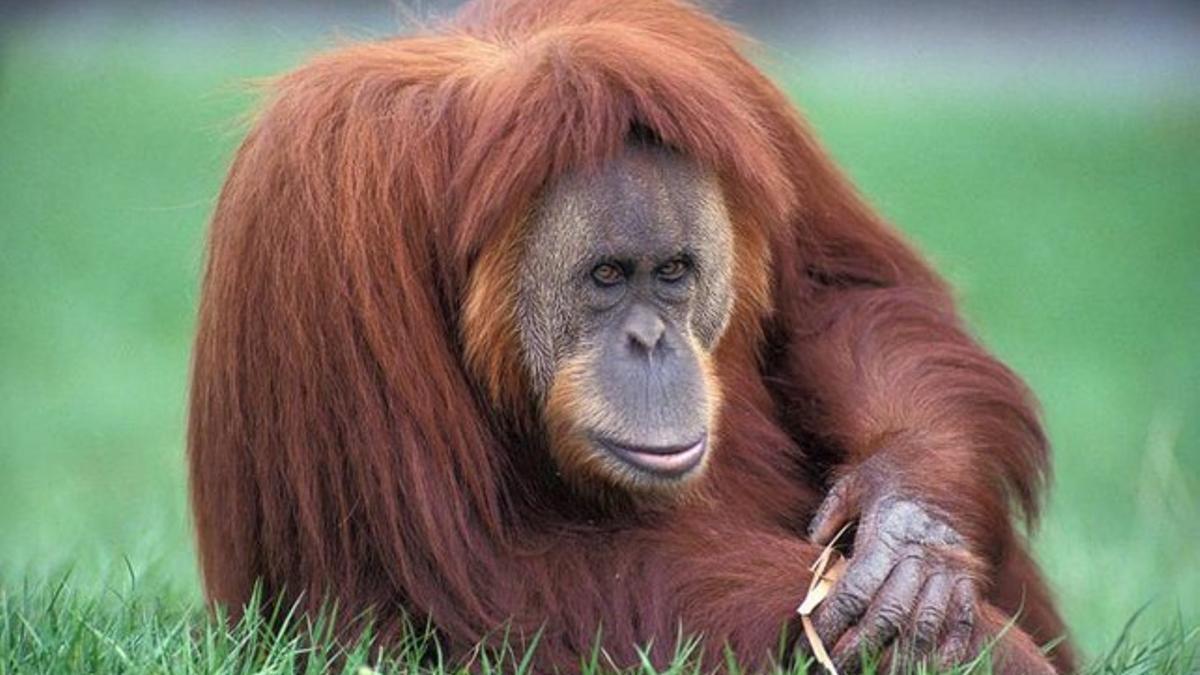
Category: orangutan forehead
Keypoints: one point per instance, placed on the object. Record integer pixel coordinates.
(648, 202)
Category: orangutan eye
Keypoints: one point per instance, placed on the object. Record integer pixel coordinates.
(672, 270)
(607, 274)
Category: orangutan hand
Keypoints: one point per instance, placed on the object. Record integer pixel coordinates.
(909, 580)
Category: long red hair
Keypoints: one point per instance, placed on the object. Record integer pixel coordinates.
(341, 442)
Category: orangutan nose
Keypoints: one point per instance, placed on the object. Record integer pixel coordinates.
(644, 329)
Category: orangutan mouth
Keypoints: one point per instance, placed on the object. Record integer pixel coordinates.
(671, 461)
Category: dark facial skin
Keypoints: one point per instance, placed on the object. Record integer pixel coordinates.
(624, 289)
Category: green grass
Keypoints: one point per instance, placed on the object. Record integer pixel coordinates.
(1070, 223)
(55, 628)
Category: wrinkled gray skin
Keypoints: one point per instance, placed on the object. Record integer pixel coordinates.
(637, 341)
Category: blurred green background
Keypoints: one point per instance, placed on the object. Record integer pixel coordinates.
(1068, 218)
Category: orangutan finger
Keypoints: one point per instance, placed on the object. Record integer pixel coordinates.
(930, 615)
(852, 595)
(840, 507)
(887, 615)
(960, 624)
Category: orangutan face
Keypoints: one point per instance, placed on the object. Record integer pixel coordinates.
(625, 288)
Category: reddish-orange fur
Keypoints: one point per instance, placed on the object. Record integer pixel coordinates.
(345, 438)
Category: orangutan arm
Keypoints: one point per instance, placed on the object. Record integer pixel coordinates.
(927, 439)
(702, 575)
